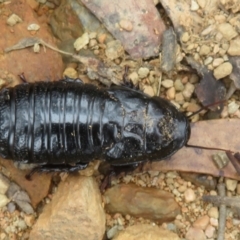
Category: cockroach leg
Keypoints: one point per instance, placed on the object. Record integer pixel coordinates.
(127, 82)
(117, 171)
(22, 77)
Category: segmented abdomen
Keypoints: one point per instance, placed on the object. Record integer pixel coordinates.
(71, 122)
(52, 122)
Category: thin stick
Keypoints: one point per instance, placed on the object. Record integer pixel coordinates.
(222, 213)
(234, 161)
(233, 202)
(55, 49)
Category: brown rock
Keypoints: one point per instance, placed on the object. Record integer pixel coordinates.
(75, 212)
(149, 203)
(145, 231)
(72, 28)
(36, 66)
(201, 222)
(195, 234)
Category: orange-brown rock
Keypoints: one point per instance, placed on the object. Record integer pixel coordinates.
(148, 203)
(145, 232)
(75, 212)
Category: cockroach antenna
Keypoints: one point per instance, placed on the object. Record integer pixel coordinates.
(202, 108)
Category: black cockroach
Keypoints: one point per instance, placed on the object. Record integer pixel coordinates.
(62, 126)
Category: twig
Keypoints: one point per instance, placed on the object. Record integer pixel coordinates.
(233, 161)
(222, 201)
(233, 202)
(222, 213)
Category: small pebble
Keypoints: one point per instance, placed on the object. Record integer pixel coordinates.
(143, 72)
(167, 83)
(224, 113)
(112, 232)
(101, 38)
(231, 184)
(114, 49)
(232, 107)
(13, 20)
(234, 48)
(217, 62)
(202, 3)
(20, 223)
(148, 90)
(70, 72)
(126, 25)
(202, 222)
(36, 48)
(188, 90)
(11, 207)
(216, 49)
(178, 85)
(171, 93)
(208, 60)
(204, 50)
(92, 35)
(194, 78)
(29, 220)
(33, 27)
(213, 212)
(194, 5)
(81, 41)
(185, 37)
(210, 231)
(3, 200)
(213, 193)
(220, 18)
(184, 80)
(179, 98)
(193, 107)
(182, 188)
(42, 1)
(190, 47)
(223, 70)
(133, 77)
(236, 222)
(195, 234)
(92, 43)
(214, 222)
(189, 195)
(227, 31)
(222, 52)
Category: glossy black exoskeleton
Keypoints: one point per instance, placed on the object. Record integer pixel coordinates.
(55, 124)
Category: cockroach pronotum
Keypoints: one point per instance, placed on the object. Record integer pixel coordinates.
(62, 126)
